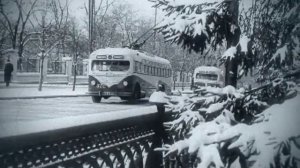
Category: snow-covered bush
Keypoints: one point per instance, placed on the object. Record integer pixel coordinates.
(229, 127)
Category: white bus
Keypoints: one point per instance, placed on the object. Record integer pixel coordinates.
(126, 73)
(208, 76)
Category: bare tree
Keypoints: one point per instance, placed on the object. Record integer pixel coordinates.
(103, 26)
(50, 25)
(76, 37)
(15, 23)
(60, 11)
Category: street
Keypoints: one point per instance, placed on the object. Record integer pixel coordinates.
(38, 109)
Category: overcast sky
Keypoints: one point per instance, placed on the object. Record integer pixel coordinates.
(142, 7)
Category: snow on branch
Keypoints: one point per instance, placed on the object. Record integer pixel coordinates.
(230, 123)
(280, 54)
(229, 53)
(244, 40)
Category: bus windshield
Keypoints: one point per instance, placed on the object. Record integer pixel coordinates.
(111, 65)
(206, 76)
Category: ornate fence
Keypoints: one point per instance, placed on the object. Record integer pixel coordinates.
(120, 143)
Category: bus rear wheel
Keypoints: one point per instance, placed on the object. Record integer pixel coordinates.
(96, 99)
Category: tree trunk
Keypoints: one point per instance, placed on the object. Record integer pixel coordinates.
(231, 71)
(41, 72)
(14, 42)
(182, 86)
(43, 43)
(231, 65)
(192, 80)
(20, 53)
(174, 86)
(75, 74)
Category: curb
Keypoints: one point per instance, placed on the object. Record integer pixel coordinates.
(46, 86)
(45, 97)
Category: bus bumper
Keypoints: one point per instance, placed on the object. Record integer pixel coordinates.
(110, 94)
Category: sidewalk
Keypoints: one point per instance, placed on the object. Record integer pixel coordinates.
(30, 91)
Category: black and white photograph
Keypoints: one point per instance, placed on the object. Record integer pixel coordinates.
(149, 83)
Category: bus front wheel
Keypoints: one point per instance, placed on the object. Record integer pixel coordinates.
(136, 92)
(96, 99)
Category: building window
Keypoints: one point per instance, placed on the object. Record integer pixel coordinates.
(30, 65)
(56, 67)
(2, 63)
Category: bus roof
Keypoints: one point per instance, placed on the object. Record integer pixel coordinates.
(207, 68)
(112, 51)
(127, 51)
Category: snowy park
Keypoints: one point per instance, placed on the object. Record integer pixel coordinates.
(150, 83)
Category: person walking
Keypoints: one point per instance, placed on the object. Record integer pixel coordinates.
(8, 69)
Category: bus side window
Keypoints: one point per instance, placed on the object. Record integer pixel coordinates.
(167, 72)
(167, 75)
(159, 72)
(147, 70)
(135, 66)
(140, 67)
(152, 69)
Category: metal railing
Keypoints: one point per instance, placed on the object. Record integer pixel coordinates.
(127, 142)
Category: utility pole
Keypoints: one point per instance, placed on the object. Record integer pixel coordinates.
(91, 25)
(154, 36)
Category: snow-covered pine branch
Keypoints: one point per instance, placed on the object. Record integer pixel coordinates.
(228, 126)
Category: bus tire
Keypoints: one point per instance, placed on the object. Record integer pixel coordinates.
(136, 92)
(96, 99)
(124, 98)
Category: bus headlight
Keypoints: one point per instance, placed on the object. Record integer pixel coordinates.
(125, 83)
(93, 82)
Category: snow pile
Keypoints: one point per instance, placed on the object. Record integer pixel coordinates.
(227, 126)
(158, 97)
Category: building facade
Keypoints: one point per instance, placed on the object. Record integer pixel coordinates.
(55, 71)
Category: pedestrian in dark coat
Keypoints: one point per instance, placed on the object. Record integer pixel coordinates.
(8, 69)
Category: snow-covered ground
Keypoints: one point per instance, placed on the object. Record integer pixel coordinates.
(29, 90)
(48, 90)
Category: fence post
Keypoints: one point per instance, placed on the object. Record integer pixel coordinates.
(68, 68)
(158, 98)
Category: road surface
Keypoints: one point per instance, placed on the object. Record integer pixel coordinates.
(38, 109)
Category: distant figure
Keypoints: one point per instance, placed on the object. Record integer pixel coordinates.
(8, 69)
